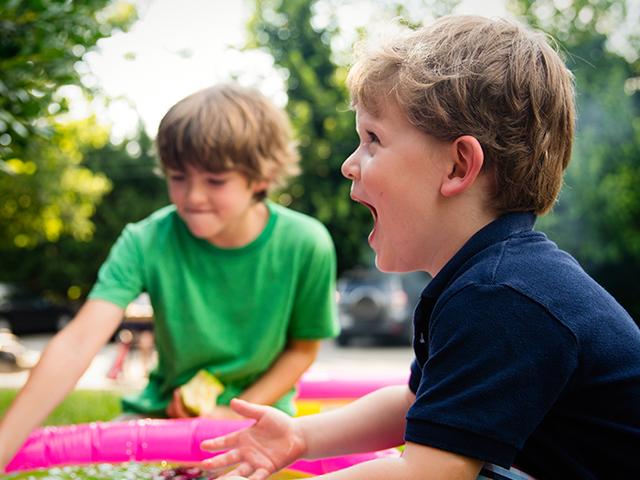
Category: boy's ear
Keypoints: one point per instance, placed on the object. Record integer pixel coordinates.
(259, 185)
(467, 160)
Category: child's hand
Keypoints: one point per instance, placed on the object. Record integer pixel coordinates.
(176, 408)
(272, 443)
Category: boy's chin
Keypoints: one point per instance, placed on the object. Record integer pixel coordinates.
(199, 230)
(202, 234)
(391, 266)
(385, 266)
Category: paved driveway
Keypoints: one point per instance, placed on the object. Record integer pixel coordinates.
(357, 360)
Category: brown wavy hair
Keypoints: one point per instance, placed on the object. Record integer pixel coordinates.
(493, 79)
(229, 127)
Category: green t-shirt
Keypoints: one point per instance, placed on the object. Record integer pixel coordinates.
(229, 311)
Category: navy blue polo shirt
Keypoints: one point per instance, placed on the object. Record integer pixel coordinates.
(522, 358)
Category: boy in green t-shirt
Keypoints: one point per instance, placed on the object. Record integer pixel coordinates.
(241, 288)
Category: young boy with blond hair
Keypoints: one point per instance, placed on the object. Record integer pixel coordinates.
(521, 359)
(241, 287)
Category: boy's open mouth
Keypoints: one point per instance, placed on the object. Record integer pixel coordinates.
(374, 213)
(371, 209)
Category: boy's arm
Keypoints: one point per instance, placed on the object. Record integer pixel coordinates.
(373, 422)
(418, 462)
(63, 362)
(284, 373)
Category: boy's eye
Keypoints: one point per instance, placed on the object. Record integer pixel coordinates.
(176, 177)
(216, 181)
(373, 138)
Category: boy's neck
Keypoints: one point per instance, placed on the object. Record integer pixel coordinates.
(457, 234)
(245, 231)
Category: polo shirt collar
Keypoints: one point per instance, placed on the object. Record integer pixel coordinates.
(500, 229)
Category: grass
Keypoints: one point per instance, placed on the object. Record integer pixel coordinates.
(80, 406)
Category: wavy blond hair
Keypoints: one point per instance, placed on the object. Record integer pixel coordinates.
(492, 79)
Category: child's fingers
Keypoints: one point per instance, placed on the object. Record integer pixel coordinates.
(259, 474)
(180, 410)
(249, 410)
(231, 457)
(243, 470)
(176, 408)
(220, 443)
(172, 408)
(169, 411)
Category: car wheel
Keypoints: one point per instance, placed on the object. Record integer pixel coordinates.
(5, 324)
(63, 321)
(343, 340)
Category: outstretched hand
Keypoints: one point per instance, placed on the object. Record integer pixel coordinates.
(269, 445)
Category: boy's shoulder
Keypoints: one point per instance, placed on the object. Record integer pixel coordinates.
(289, 221)
(155, 229)
(162, 218)
(536, 271)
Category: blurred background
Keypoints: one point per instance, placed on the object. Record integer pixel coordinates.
(84, 84)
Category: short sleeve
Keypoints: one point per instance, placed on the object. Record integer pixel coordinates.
(120, 278)
(414, 378)
(497, 362)
(314, 314)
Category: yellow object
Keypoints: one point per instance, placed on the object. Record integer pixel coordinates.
(312, 406)
(200, 394)
(288, 475)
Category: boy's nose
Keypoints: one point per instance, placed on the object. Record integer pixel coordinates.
(195, 196)
(350, 167)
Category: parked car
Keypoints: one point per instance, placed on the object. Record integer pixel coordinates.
(378, 305)
(14, 356)
(23, 311)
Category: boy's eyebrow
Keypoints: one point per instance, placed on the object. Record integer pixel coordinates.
(206, 172)
(366, 119)
(371, 123)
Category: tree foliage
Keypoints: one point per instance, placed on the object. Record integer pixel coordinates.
(50, 192)
(41, 43)
(45, 191)
(58, 170)
(597, 217)
(319, 110)
(67, 268)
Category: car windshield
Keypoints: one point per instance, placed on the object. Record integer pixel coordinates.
(358, 278)
(412, 282)
(15, 293)
(6, 290)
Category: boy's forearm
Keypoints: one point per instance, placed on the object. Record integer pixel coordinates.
(373, 422)
(284, 373)
(53, 377)
(417, 463)
(63, 361)
(376, 422)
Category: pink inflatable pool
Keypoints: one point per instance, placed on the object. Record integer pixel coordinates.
(146, 441)
(319, 384)
(179, 440)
